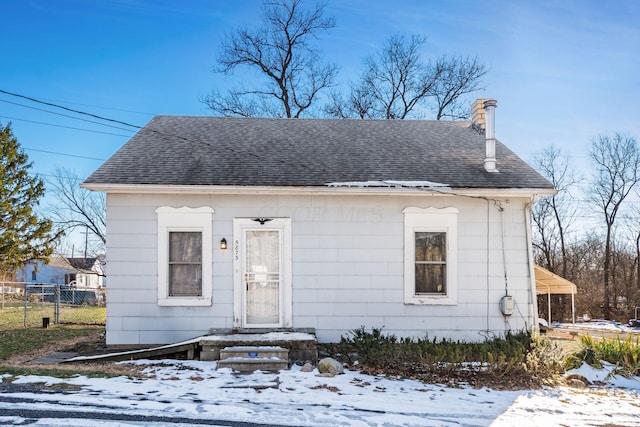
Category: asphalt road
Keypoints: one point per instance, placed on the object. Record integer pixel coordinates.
(18, 408)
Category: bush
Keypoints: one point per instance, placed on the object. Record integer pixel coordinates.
(515, 358)
(624, 354)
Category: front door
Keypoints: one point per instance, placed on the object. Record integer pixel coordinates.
(262, 283)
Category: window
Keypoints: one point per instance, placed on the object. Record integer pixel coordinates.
(34, 276)
(185, 256)
(185, 263)
(430, 255)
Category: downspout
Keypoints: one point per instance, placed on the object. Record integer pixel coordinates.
(535, 327)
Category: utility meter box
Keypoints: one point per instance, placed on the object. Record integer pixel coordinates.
(507, 304)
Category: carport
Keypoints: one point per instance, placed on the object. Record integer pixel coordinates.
(548, 283)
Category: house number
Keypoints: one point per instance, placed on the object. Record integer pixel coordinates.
(236, 250)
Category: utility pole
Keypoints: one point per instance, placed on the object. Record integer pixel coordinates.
(86, 240)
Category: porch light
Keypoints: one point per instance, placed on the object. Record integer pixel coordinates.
(223, 243)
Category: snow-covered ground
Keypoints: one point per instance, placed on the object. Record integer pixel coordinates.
(196, 390)
(598, 325)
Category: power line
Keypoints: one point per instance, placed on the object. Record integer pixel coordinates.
(67, 127)
(64, 154)
(51, 104)
(40, 175)
(66, 115)
(233, 150)
(101, 107)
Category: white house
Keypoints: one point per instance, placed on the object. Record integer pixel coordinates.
(417, 227)
(82, 272)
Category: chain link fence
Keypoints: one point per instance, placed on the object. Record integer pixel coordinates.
(43, 304)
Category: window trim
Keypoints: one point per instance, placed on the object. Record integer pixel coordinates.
(436, 220)
(185, 219)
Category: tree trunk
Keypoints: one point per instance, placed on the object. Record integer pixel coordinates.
(606, 308)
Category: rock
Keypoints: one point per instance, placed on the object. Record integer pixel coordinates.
(574, 383)
(307, 367)
(577, 381)
(329, 367)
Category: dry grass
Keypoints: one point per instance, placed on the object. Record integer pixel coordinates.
(20, 345)
(13, 315)
(20, 363)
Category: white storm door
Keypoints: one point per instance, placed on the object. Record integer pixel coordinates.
(261, 273)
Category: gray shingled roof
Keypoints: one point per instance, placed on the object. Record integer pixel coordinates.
(179, 150)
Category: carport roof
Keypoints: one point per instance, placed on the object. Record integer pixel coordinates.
(550, 283)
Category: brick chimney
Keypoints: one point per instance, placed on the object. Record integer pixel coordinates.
(483, 116)
(477, 113)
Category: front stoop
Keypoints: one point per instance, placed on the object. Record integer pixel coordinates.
(302, 346)
(254, 358)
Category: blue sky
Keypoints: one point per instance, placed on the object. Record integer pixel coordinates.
(562, 71)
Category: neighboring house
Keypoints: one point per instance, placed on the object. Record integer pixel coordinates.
(81, 272)
(417, 227)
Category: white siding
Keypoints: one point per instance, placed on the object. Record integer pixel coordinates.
(347, 267)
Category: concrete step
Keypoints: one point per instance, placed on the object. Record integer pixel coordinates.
(256, 351)
(254, 358)
(250, 364)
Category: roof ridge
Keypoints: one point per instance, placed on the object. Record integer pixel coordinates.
(316, 119)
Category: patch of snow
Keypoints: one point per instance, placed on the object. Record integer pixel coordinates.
(254, 348)
(596, 324)
(389, 184)
(269, 336)
(606, 375)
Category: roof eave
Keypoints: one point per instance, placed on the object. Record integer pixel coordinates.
(315, 190)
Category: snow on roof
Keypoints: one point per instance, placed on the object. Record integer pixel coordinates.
(390, 184)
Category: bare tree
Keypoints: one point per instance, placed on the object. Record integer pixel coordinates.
(623, 272)
(553, 215)
(458, 77)
(398, 84)
(586, 259)
(77, 207)
(281, 53)
(395, 82)
(616, 161)
(634, 236)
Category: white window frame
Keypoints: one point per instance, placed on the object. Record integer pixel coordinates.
(186, 219)
(431, 220)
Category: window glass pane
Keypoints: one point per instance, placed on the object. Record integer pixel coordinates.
(185, 264)
(431, 278)
(431, 246)
(263, 253)
(185, 247)
(430, 259)
(185, 279)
